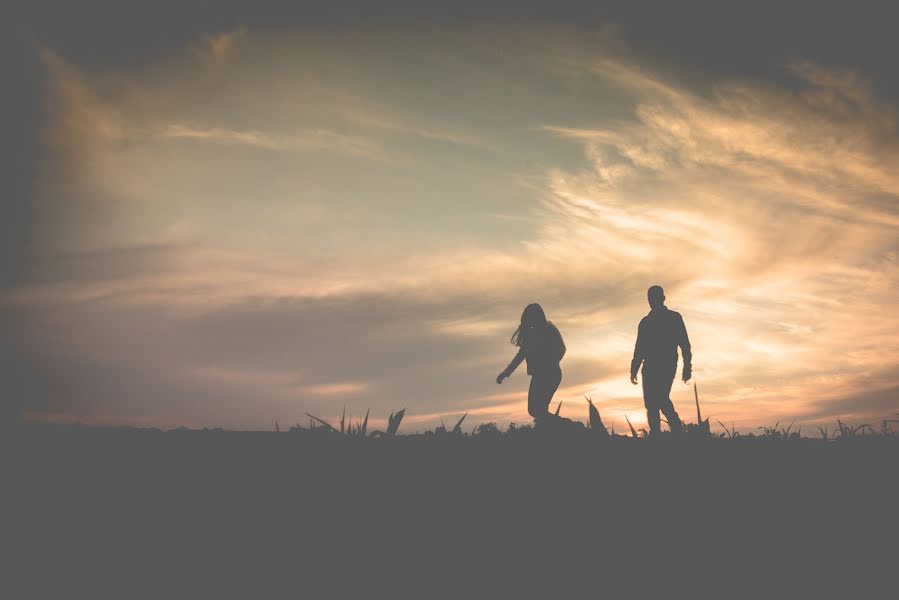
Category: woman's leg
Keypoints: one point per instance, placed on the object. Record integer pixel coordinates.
(540, 393)
(536, 407)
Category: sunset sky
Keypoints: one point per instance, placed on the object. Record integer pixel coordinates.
(246, 223)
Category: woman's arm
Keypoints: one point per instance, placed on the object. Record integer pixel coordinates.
(512, 366)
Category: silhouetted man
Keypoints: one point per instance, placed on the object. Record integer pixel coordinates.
(659, 335)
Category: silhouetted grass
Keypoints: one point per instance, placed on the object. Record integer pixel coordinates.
(556, 425)
(332, 493)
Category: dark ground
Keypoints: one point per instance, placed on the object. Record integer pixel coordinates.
(125, 513)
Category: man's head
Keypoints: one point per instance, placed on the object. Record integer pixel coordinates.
(656, 296)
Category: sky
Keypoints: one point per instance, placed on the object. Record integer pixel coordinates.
(242, 223)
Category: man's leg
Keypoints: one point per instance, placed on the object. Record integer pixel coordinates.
(650, 400)
(674, 422)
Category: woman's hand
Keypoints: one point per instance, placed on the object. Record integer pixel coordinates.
(500, 377)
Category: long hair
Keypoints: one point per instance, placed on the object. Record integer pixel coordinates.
(532, 318)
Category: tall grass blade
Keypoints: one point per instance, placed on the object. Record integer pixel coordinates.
(458, 427)
(325, 423)
(594, 420)
(364, 424)
(394, 424)
(342, 419)
(696, 395)
(633, 431)
(729, 434)
(558, 408)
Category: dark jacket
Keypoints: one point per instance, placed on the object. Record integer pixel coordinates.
(543, 349)
(658, 336)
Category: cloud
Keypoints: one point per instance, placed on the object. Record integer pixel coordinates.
(779, 201)
(307, 141)
(782, 139)
(246, 364)
(341, 389)
(96, 110)
(402, 125)
(220, 47)
(216, 282)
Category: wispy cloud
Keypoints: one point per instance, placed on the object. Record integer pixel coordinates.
(301, 277)
(306, 141)
(342, 389)
(410, 127)
(758, 204)
(220, 47)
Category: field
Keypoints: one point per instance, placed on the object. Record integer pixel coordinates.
(555, 512)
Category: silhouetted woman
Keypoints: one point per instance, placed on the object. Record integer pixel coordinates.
(540, 344)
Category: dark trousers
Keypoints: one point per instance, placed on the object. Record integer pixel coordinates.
(657, 397)
(543, 385)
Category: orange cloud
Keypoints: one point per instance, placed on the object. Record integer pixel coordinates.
(767, 211)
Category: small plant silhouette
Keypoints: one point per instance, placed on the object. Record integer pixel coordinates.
(393, 425)
(488, 430)
(780, 433)
(357, 430)
(731, 433)
(701, 426)
(852, 432)
(593, 421)
(886, 428)
(633, 431)
(456, 430)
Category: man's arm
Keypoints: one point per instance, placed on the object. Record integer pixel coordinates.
(638, 354)
(684, 343)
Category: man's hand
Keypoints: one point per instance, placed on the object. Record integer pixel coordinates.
(634, 379)
(688, 373)
(500, 377)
